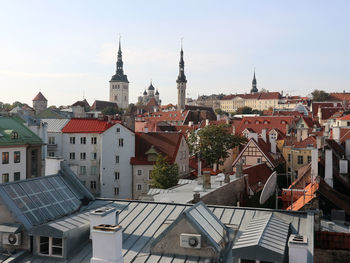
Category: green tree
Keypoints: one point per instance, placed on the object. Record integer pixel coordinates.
(221, 112)
(213, 142)
(319, 95)
(112, 111)
(164, 174)
(244, 110)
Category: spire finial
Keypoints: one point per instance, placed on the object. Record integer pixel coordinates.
(181, 42)
(119, 42)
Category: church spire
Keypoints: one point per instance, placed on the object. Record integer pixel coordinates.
(119, 75)
(254, 85)
(181, 77)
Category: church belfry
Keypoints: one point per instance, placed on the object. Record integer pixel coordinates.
(119, 84)
(181, 83)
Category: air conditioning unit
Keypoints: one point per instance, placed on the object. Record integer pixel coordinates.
(190, 241)
(11, 239)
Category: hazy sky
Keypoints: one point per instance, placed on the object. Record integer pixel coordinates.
(66, 49)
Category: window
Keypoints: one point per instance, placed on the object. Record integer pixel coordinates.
(93, 140)
(93, 184)
(139, 172)
(5, 178)
(51, 246)
(289, 157)
(300, 159)
(51, 140)
(348, 123)
(16, 176)
(94, 170)
(149, 174)
(116, 190)
(51, 154)
(273, 136)
(83, 156)
(117, 159)
(72, 156)
(118, 130)
(17, 157)
(82, 140)
(116, 97)
(5, 157)
(82, 170)
(258, 160)
(116, 175)
(14, 135)
(121, 142)
(309, 159)
(93, 156)
(139, 187)
(72, 140)
(243, 159)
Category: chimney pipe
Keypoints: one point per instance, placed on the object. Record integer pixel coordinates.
(347, 149)
(103, 215)
(314, 164)
(343, 166)
(298, 249)
(227, 179)
(273, 145)
(107, 243)
(336, 134)
(196, 197)
(239, 169)
(263, 134)
(319, 142)
(206, 180)
(190, 123)
(206, 122)
(298, 135)
(329, 168)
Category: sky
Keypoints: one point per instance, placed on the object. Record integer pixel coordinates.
(68, 49)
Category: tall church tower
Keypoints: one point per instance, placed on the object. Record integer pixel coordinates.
(254, 88)
(119, 84)
(181, 83)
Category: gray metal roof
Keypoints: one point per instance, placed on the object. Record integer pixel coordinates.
(143, 222)
(55, 125)
(266, 236)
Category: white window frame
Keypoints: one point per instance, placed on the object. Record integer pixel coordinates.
(139, 171)
(50, 248)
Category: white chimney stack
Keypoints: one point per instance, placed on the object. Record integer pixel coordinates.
(298, 135)
(217, 117)
(298, 249)
(343, 166)
(347, 148)
(145, 130)
(206, 122)
(304, 134)
(314, 164)
(263, 134)
(103, 215)
(273, 145)
(190, 123)
(253, 135)
(107, 241)
(336, 134)
(329, 168)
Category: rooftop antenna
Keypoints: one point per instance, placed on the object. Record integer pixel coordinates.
(181, 42)
(83, 95)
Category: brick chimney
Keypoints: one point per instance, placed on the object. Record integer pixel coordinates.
(107, 241)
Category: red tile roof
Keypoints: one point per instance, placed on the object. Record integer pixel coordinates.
(265, 122)
(308, 142)
(340, 96)
(84, 125)
(166, 143)
(167, 116)
(257, 176)
(316, 105)
(327, 112)
(39, 97)
(345, 118)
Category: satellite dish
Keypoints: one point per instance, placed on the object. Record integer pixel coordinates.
(269, 188)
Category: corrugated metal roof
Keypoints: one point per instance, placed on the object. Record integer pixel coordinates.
(142, 222)
(55, 125)
(268, 232)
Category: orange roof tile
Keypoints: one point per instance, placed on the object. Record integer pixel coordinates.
(83, 125)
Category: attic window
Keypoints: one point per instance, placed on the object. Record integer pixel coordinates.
(283, 122)
(266, 122)
(257, 122)
(246, 122)
(14, 135)
(50, 246)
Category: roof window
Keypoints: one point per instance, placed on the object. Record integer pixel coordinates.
(14, 135)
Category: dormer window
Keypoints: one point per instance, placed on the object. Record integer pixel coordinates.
(283, 122)
(246, 122)
(257, 122)
(50, 246)
(14, 135)
(266, 122)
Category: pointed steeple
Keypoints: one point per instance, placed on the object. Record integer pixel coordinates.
(181, 77)
(254, 88)
(119, 76)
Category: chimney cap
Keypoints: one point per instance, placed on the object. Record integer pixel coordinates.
(103, 211)
(107, 228)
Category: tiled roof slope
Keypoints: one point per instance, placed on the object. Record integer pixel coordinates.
(39, 97)
(99, 105)
(166, 143)
(8, 125)
(340, 96)
(257, 176)
(82, 125)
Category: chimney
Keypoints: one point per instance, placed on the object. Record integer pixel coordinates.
(314, 164)
(253, 135)
(227, 179)
(298, 135)
(206, 122)
(263, 134)
(217, 117)
(196, 197)
(329, 168)
(206, 180)
(273, 145)
(239, 169)
(304, 134)
(103, 215)
(319, 142)
(107, 243)
(145, 130)
(190, 123)
(343, 166)
(336, 134)
(298, 249)
(347, 149)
